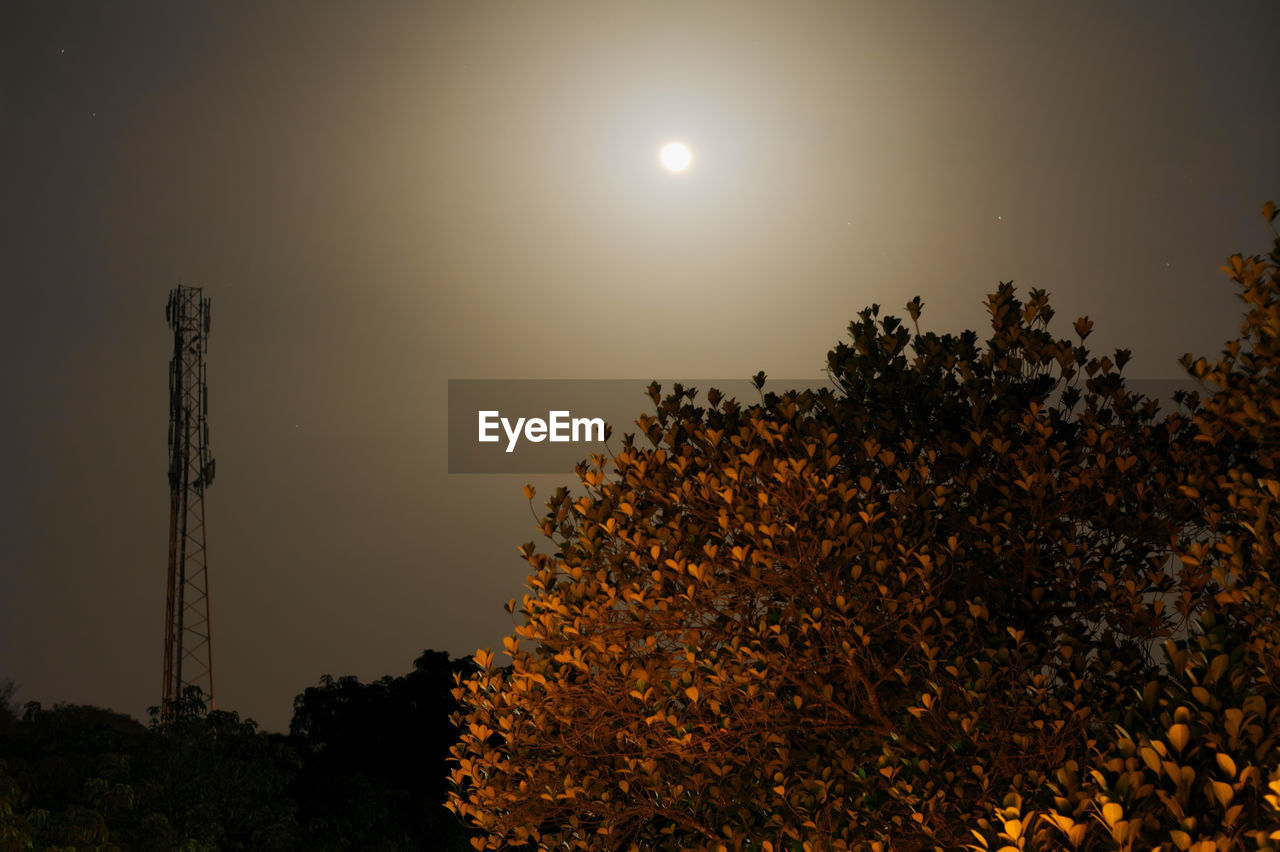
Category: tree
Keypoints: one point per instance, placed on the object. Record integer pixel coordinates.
(69, 784)
(837, 619)
(15, 832)
(8, 710)
(217, 781)
(374, 774)
(364, 768)
(1198, 766)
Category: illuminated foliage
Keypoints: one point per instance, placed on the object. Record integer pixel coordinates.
(1198, 767)
(843, 619)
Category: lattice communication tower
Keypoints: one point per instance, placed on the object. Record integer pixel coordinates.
(188, 641)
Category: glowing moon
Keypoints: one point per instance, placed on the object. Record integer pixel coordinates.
(676, 157)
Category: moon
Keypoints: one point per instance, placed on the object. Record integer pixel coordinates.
(676, 157)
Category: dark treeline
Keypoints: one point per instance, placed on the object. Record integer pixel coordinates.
(362, 768)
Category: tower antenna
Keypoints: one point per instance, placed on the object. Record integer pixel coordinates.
(188, 642)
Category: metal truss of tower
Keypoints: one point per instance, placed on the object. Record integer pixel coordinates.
(188, 639)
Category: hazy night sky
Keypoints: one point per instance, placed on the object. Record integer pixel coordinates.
(379, 197)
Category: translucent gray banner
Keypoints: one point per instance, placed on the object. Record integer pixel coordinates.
(549, 425)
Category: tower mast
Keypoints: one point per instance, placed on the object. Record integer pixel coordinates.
(188, 645)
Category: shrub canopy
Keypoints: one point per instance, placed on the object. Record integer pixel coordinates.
(860, 617)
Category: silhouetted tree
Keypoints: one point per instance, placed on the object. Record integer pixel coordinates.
(8, 710)
(375, 774)
(70, 768)
(219, 780)
(363, 770)
(81, 777)
(15, 830)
